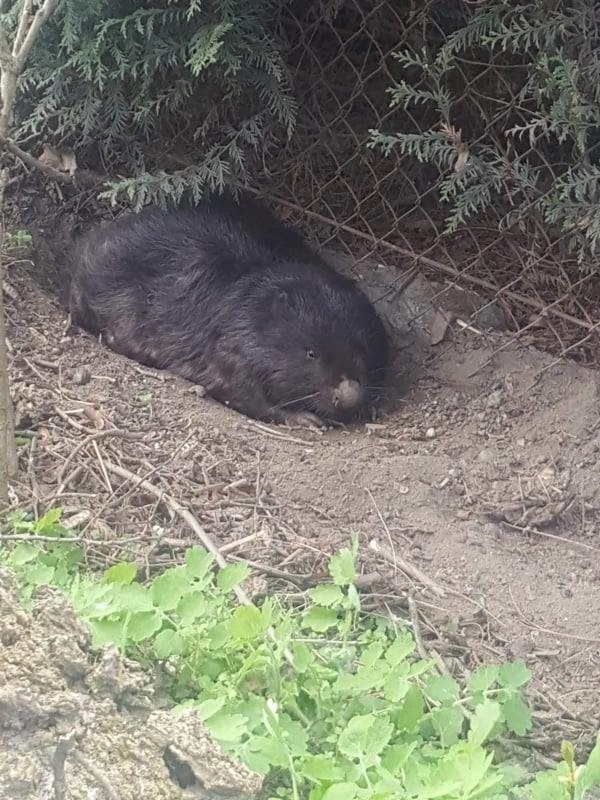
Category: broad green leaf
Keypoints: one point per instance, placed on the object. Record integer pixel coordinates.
(396, 756)
(198, 562)
(107, 631)
(513, 675)
(46, 523)
(321, 768)
(396, 687)
(447, 721)
(371, 654)
(442, 689)
(191, 606)
(326, 595)
(167, 589)
(232, 575)
(227, 727)
(246, 623)
(261, 753)
(365, 738)
(352, 598)
(132, 597)
(320, 619)
(410, 712)
(341, 568)
(481, 680)
(143, 625)
(470, 765)
(546, 786)
(341, 791)
(168, 643)
(294, 736)
(219, 634)
(120, 573)
(516, 715)
(22, 553)
(364, 679)
(400, 649)
(208, 708)
(303, 657)
(483, 721)
(39, 574)
(589, 775)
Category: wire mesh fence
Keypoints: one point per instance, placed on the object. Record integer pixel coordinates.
(390, 207)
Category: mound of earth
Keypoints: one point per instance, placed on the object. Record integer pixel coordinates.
(74, 726)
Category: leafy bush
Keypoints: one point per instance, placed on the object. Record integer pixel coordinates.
(333, 706)
(529, 127)
(173, 94)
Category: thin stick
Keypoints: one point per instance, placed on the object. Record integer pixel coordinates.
(182, 512)
(92, 438)
(187, 516)
(61, 753)
(416, 627)
(31, 537)
(407, 568)
(258, 426)
(102, 467)
(34, 163)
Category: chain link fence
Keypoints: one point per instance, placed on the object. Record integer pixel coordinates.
(389, 207)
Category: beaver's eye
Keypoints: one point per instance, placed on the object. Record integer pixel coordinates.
(310, 354)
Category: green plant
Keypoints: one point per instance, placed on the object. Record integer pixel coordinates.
(174, 96)
(354, 713)
(53, 564)
(529, 141)
(17, 239)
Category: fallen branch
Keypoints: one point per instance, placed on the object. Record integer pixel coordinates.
(84, 177)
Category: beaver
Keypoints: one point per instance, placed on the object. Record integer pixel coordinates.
(225, 295)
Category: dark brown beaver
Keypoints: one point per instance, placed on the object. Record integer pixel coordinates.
(227, 296)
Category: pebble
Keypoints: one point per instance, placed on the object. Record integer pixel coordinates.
(494, 399)
(81, 376)
(430, 433)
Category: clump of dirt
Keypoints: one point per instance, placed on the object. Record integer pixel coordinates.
(74, 726)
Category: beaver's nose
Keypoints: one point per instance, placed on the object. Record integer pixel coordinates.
(347, 394)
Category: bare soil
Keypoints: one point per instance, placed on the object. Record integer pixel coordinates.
(477, 494)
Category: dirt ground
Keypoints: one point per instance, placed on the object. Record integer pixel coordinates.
(478, 492)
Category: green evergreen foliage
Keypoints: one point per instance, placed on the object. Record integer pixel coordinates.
(172, 94)
(533, 143)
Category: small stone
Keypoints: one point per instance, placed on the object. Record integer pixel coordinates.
(521, 442)
(81, 376)
(430, 433)
(198, 390)
(494, 399)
